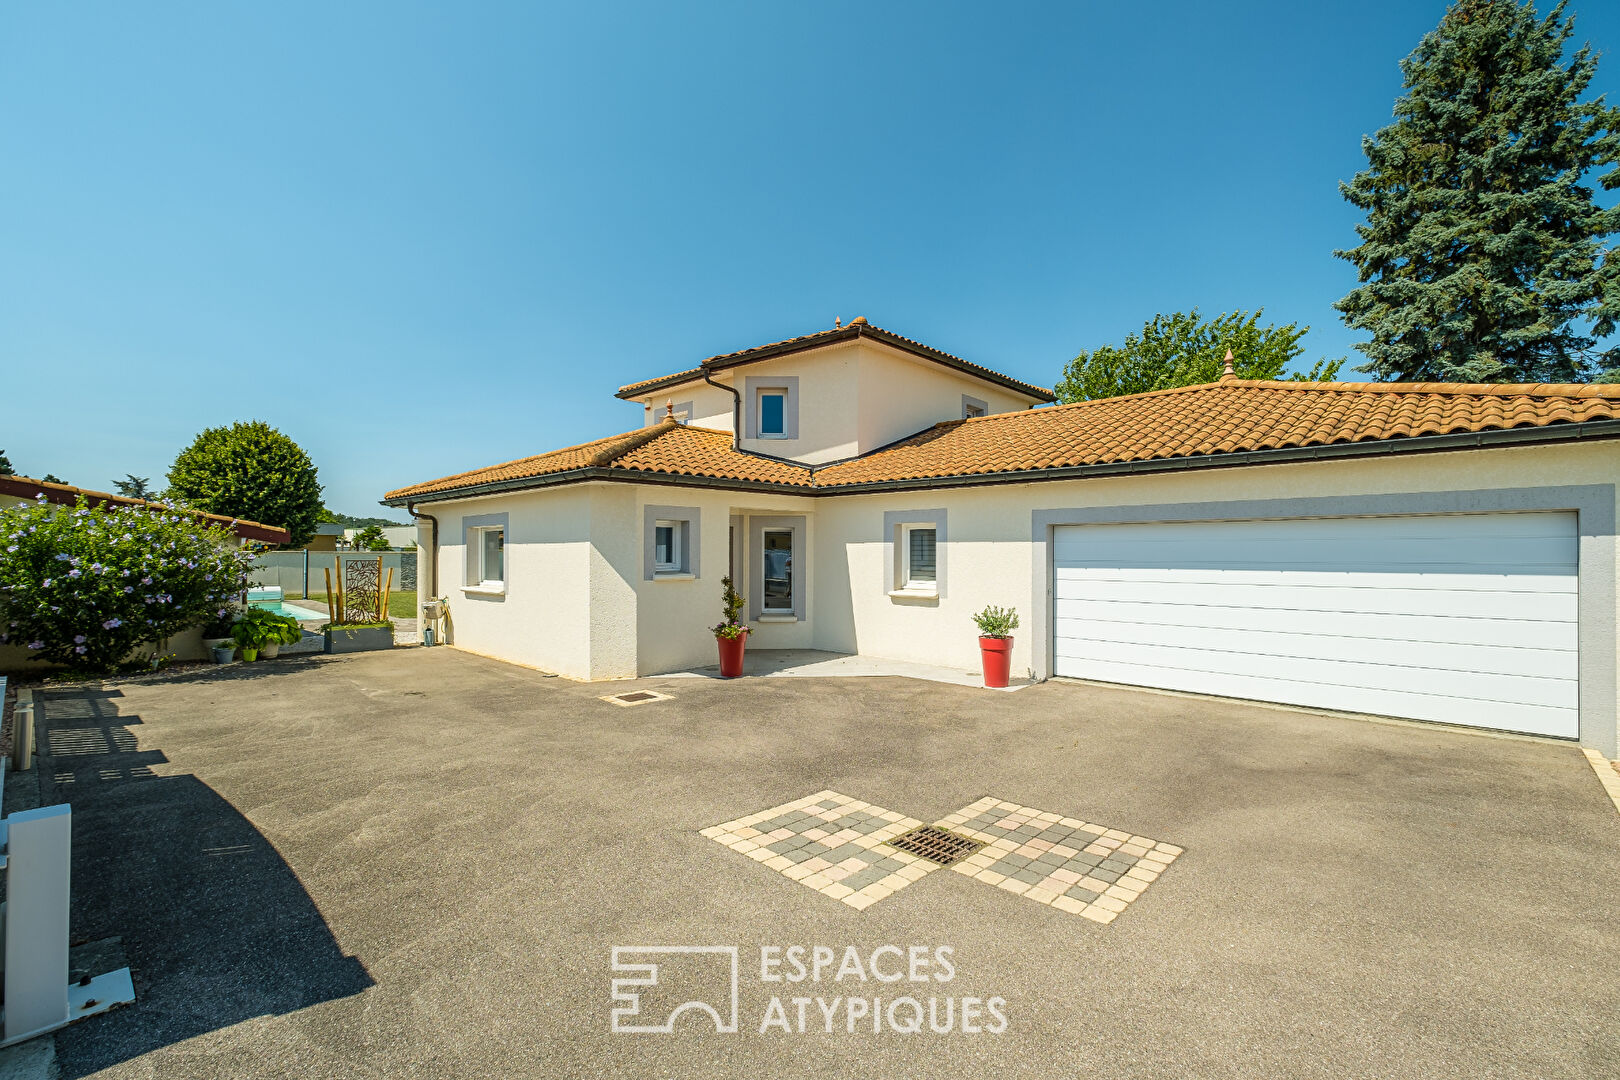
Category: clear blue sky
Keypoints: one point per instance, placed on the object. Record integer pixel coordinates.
(421, 238)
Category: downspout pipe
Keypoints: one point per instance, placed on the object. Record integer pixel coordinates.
(736, 407)
(433, 547)
(736, 426)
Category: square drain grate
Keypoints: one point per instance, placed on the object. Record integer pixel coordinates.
(936, 844)
(635, 697)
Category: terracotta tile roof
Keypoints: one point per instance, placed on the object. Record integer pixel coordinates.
(668, 447)
(66, 495)
(1229, 416)
(1192, 422)
(693, 451)
(858, 328)
(663, 380)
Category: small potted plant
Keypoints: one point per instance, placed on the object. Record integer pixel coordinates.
(280, 630)
(263, 632)
(730, 634)
(249, 635)
(218, 640)
(995, 643)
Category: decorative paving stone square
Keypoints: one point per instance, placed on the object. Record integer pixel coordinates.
(832, 843)
(1072, 865)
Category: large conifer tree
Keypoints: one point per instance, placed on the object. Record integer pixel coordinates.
(1482, 258)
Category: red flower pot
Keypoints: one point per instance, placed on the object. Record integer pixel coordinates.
(996, 655)
(731, 654)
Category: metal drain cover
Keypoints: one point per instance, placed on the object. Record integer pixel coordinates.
(635, 697)
(936, 844)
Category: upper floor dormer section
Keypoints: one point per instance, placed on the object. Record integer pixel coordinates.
(831, 395)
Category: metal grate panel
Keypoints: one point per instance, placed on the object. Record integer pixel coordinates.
(936, 844)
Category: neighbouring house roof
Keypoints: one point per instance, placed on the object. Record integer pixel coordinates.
(1230, 422)
(856, 329)
(66, 495)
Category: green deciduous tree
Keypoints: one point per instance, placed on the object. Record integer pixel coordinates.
(250, 471)
(1185, 349)
(1482, 256)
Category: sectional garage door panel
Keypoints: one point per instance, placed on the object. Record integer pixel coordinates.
(1465, 619)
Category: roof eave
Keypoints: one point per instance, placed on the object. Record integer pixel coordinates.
(596, 472)
(834, 337)
(1521, 436)
(1462, 440)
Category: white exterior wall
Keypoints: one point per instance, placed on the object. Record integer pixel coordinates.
(853, 397)
(711, 406)
(673, 615)
(900, 395)
(568, 607)
(989, 557)
(578, 602)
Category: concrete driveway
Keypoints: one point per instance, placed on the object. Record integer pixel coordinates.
(420, 863)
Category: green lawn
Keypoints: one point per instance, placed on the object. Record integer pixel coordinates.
(401, 603)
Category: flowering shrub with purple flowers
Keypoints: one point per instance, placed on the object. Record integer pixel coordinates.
(86, 586)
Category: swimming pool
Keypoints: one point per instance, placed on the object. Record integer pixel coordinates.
(277, 607)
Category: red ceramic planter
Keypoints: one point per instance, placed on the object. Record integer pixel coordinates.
(731, 654)
(996, 655)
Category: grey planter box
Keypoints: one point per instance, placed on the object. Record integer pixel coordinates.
(362, 639)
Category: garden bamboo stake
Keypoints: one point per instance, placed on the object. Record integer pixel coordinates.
(331, 602)
(382, 603)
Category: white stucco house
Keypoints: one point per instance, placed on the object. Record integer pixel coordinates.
(1428, 551)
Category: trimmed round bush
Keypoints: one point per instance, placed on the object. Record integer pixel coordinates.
(85, 586)
(252, 472)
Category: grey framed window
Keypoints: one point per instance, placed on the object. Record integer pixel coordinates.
(776, 555)
(921, 569)
(772, 404)
(484, 537)
(489, 558)
(972, 406)
(777, 567)
(671, 541)
(915, 543)
(667, 546)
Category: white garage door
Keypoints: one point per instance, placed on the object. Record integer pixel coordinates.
(1460, 618)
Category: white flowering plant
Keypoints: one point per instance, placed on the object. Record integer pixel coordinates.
(87, 585)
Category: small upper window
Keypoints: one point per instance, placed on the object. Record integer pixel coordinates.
(773, 414)
(667, 547)
(921, 559)
(970, 411)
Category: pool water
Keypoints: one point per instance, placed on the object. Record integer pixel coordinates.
(276, 607)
